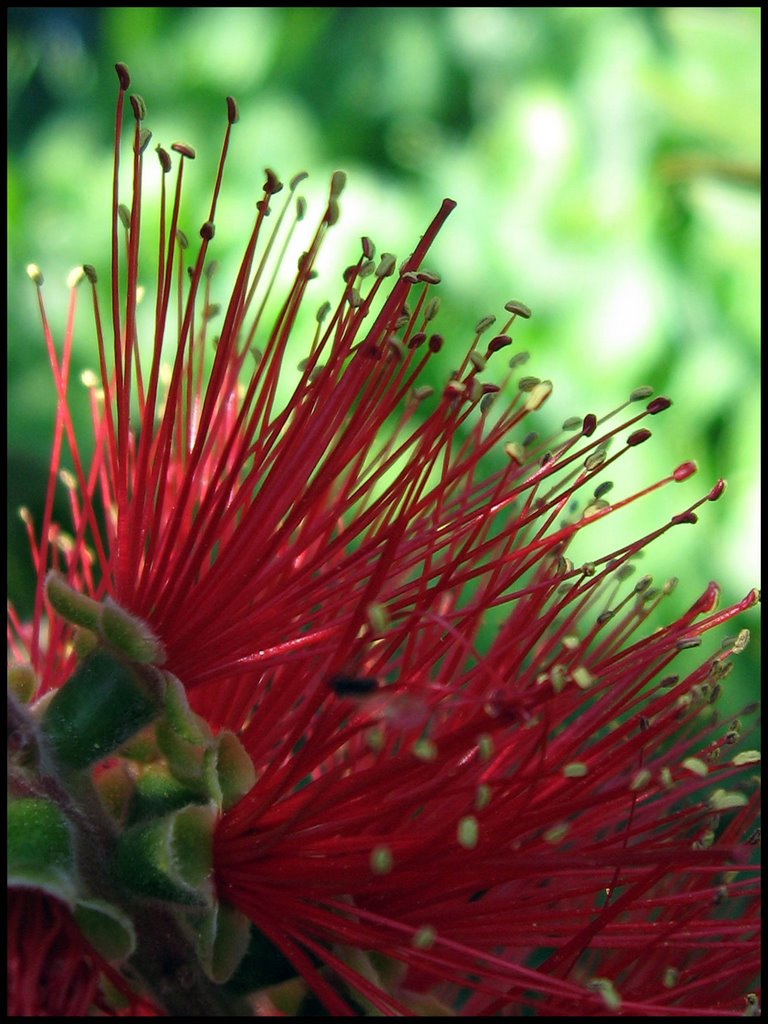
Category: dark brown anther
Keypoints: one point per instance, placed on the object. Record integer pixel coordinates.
(183, 149)
(233, 114)
(658, 405)
(352, 686)
(164, 157)
(272, 185)
(417, 339)
(499, 342)
(90, 273)
(208, 230)
(139, 107)
(684, 470)
(349, 274)
(602, 489)
(638, 437)
(716, 491)
(435, 342)
(123, 76)
(589, 425)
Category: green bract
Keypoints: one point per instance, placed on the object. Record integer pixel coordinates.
(103, 704)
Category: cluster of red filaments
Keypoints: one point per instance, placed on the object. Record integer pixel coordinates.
(469, 749)
(52, 970)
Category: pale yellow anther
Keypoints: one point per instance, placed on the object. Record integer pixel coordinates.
(35, 274)
(381, 860)
(746, 757)
(696, 766)
(538, 395)
(640, 780)
(467, 832)
(722, 800)
(556, 834)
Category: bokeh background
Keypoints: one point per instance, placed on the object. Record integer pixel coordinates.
(605, 162)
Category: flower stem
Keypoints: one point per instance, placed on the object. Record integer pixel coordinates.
(165, 964)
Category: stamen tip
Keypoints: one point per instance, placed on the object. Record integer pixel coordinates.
(35, 274)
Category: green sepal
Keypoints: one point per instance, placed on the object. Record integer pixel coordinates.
(157, 792)
(115, 787)
(185, 760)
(104, 703)
(40, 849)
(142, 747)
(235, 773)
(183, 738)
(84, 641)
(170, 858)
(193, 845)
(129, 635)
(222, 941)
(182, 719)
(77, 608)
(22, 682)
(108, 929)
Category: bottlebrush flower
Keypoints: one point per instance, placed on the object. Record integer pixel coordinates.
(53, 971)
(439, 767)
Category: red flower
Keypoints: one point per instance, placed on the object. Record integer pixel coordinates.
(52, 970)
(479, 787)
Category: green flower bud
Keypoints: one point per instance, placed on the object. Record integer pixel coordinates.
(170, 858)
(102, 705)
(40, 852)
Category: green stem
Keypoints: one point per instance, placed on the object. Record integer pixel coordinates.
(165, 965)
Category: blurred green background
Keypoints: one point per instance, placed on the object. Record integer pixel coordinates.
(605, 162)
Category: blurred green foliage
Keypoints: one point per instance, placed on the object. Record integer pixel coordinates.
(605, 161)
